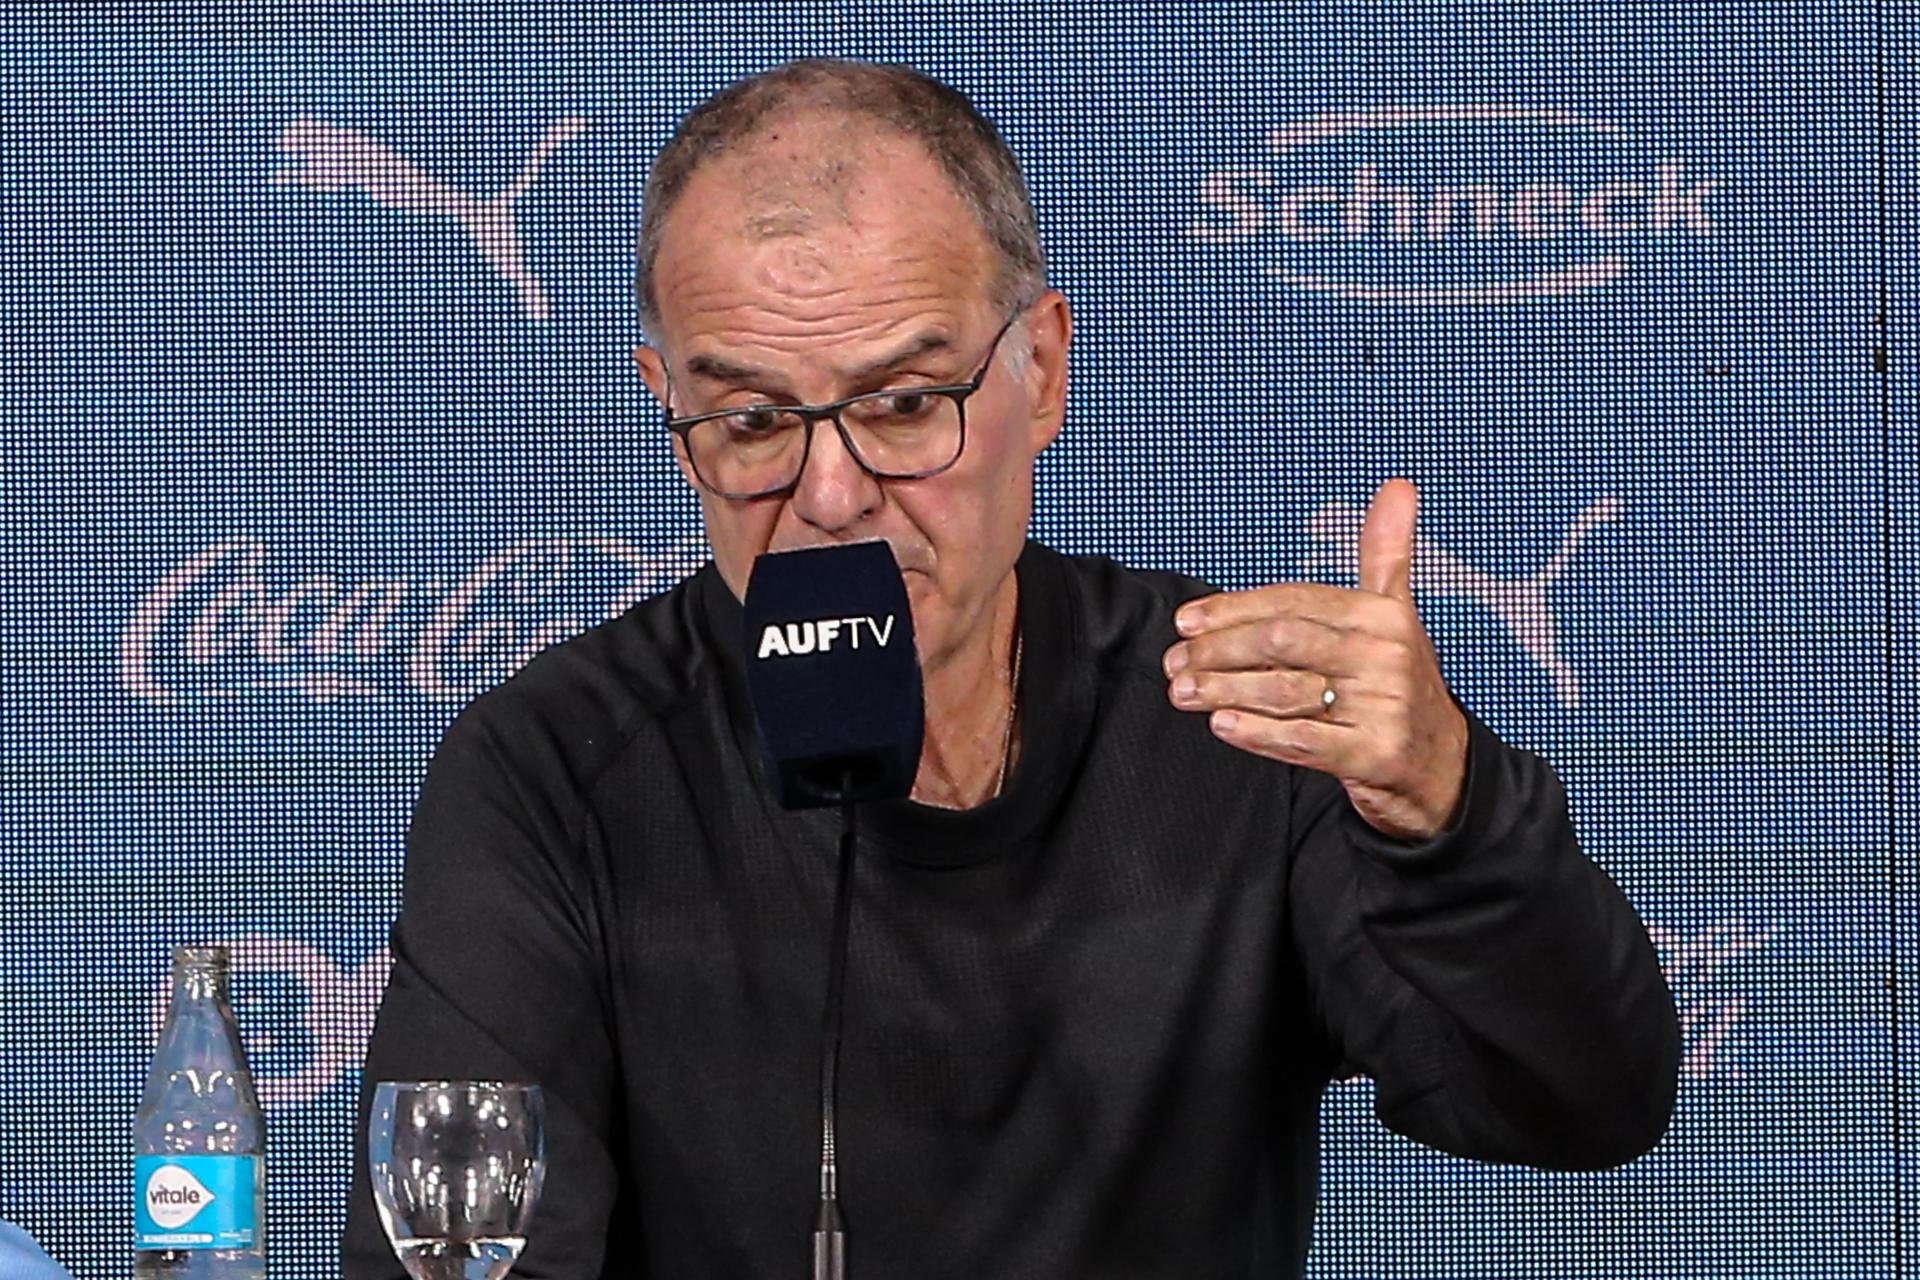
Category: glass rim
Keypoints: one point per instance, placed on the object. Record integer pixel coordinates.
(453, 1084)
(812, 415)
(952, 393)
(686, 427)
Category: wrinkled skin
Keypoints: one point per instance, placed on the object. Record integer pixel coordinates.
(840, 268)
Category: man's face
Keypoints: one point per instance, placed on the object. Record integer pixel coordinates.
(884, 283)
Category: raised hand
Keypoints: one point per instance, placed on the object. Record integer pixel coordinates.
(1343, 681)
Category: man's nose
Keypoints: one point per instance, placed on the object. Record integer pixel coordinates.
(834, 491)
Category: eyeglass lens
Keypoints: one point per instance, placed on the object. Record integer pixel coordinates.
(760, 449)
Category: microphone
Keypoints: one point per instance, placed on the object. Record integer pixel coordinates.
(832, 673)
(834, 680)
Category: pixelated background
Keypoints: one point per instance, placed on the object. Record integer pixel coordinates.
(323, 417)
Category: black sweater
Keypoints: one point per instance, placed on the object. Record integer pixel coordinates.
(1088, 1023)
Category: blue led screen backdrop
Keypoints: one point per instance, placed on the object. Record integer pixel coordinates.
(324, 418)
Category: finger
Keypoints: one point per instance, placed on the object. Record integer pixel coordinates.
(1339, 607)
(1271, 643)
(1386, 541)
(1312, 743)
(1280, 694)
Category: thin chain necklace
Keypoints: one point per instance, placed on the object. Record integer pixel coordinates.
(1013, 703)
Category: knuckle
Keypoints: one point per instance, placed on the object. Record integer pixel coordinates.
(1275, 696)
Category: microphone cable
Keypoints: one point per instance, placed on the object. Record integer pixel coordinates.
(829, 1229)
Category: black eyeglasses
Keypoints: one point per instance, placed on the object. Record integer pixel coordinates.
(900, 433)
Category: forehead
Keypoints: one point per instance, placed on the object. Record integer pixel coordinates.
(815, 226)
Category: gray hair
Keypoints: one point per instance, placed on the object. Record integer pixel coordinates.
(964, 143)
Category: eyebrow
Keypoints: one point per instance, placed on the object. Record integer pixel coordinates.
(720, 369)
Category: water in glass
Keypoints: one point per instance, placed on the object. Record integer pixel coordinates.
(456, 1168)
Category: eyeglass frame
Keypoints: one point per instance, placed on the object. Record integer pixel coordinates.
(812, 414)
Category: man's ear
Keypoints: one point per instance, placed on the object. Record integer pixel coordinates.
(653, 370)
(1050, 328)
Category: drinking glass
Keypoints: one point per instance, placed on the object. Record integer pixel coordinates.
(456, 1167)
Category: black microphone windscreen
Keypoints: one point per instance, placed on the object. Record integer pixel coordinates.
(833, 673)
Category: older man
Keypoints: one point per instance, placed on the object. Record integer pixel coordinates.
(1172, 858)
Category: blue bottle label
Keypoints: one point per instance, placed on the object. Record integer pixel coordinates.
(196, 1202)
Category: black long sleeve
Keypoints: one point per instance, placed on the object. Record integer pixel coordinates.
(497, 975)
(1495, 982)
(1089, 1023)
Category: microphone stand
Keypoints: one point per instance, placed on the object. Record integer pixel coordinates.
(829, 1230)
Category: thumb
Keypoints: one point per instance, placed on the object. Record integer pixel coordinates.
(1386, 541)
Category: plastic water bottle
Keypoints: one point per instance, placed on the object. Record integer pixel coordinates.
(199, 1139)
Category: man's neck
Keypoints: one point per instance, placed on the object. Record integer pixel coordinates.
(971, 720)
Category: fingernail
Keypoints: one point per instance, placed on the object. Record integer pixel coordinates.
(1176, 659)
(1184, 689)
(1188, 621)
